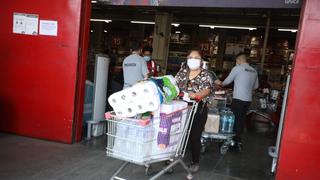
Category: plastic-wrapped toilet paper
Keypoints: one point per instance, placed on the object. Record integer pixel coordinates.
(174, 82)
(140, 98)
(169, 129)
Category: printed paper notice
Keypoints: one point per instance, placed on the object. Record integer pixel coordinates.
(25, 23)
(49, 28)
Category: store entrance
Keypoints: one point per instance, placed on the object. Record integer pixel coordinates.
(267, 36)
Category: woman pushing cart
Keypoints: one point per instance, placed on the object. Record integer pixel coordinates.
(164, 136)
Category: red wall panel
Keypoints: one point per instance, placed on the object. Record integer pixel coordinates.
(300, 145)
(38, 73)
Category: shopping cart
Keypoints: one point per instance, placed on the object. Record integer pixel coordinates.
(226, 139)
(133, 140)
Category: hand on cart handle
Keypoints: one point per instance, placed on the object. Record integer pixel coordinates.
(189, 96)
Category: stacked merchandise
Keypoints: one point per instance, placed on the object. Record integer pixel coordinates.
(220, 121)
(150, 120)
(220, 118)
(268, 100)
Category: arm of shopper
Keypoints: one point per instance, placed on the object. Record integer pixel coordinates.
(256, 84)
(206, 87)
(202, 94)
(230, 77)
(144, 68)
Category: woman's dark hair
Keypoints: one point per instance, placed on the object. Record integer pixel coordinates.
(195, 50)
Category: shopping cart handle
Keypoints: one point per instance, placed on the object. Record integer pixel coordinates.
(181, 94)
(197, 98)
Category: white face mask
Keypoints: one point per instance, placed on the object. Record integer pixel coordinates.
(194, 64)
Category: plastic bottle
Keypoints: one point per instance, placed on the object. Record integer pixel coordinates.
(231, 119)
(224, 122)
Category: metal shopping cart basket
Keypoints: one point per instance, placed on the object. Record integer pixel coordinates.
(133, 140)
(225, 138)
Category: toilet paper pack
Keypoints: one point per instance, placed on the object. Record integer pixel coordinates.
(168, 130)
(140, 98)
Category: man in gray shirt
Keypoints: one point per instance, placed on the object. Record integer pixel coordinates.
(134, 67)
(245, 80)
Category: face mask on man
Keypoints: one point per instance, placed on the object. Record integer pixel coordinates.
(147, 58)
(194, 64)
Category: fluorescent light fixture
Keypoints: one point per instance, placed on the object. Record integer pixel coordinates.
(101, 20)
(290, 30)
(178, 32)
(228, 27)
(93, 2)
(105, 31)
(207, 26)
(142, 22)
(175, 24)
(150, 22)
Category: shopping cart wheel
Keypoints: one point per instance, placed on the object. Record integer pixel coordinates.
(224, 149)
(170, 171)
(148, 171)
(189, 177)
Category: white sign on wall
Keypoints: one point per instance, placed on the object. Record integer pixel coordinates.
(49, 28)
(25, 23)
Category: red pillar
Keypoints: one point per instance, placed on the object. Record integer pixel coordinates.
(300, 146)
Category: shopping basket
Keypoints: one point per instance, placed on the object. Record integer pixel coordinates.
(135, 141)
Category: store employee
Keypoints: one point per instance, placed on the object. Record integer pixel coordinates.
(152, 65)
(245, 80)
(134, 67)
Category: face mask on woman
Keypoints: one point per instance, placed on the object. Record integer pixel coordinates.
(194, 64)
(147, 58)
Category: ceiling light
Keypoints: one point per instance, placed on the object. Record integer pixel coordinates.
(101, 20)
(94, 2)
(178, 32)
(91, 30)
(105, 31)
(290, 30)
(228, 27)
(208, 26)
(175, 24)
(150, 22)
(142, 22)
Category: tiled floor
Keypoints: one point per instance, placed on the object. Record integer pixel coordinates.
(24, 158)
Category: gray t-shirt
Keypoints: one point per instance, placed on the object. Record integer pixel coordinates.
(245, 80)
(134, 69)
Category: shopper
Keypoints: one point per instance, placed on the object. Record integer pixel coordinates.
(152, 66)
(245, 80)
(198, 83)
(134, 67)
